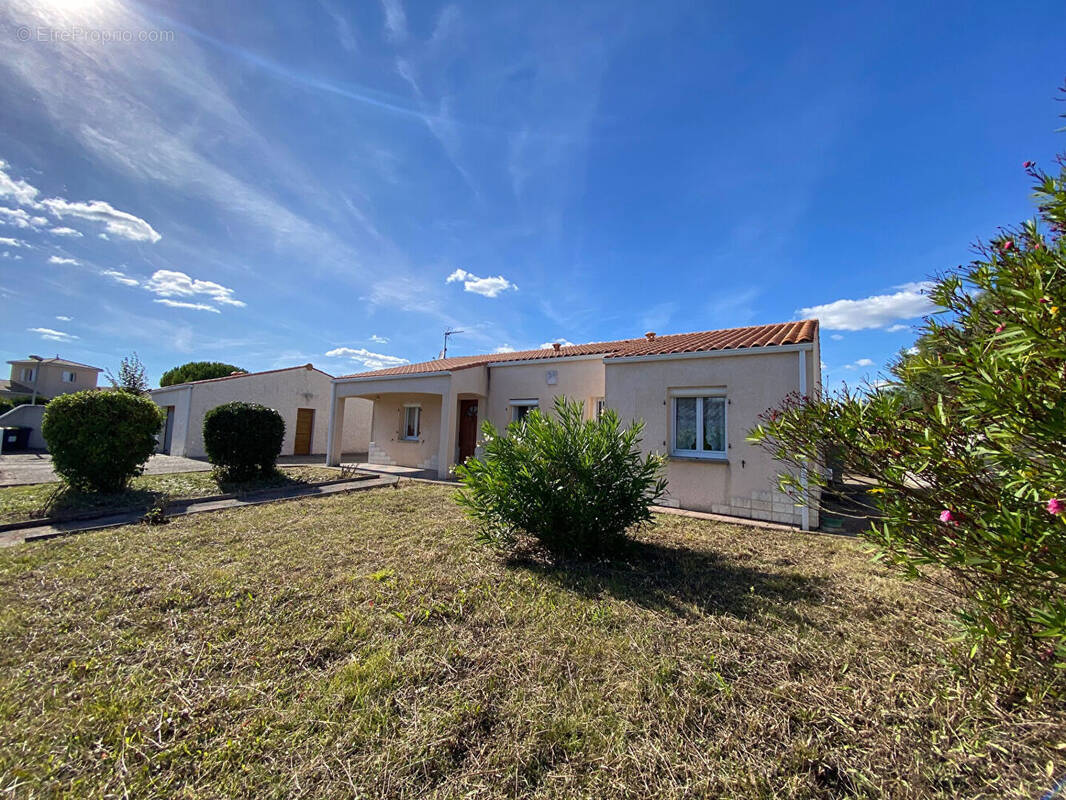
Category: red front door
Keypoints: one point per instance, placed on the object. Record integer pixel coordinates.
(467, 429)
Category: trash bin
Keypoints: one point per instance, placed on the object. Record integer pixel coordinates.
(16, 438)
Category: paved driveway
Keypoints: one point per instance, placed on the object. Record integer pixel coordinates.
(18, 468)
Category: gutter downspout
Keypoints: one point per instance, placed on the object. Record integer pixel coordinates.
(805, 511)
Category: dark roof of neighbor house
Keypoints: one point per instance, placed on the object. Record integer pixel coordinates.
(782, 333)
(14, 388)
(57, 361)
(236, 375)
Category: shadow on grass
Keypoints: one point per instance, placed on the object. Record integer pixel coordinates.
(65, 503)
(674, 579)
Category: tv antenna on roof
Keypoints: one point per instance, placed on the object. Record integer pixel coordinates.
(447, 333)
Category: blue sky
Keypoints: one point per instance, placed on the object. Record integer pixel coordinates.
(275, 183)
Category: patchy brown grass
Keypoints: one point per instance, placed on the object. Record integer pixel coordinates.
(366, 645)
(55, 501)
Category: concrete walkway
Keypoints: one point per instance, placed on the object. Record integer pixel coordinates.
(17, 469)
(192, 506)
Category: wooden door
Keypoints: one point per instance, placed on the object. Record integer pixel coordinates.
(305, 426)
(467, 429)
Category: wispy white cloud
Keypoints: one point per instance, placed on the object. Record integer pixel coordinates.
(395, 20)
(504, 348)
(18, 190)
(837, 337)
(20, 218)
(862, 363)
(878, 311)
(121, 277)
(117, 223)
(61, 318)
(378, 339)
(170, 283)
(487, 287)
(70, 232)
(9, 242)
(63, 260)
(190, 306)
(560, 342)
(53, 335)
(366, 358)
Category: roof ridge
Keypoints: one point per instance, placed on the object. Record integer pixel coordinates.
(776, 334)
(308, 366)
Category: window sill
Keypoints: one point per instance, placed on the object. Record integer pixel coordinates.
(409, 441)
(700, 459)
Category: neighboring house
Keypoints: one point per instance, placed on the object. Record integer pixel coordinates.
(300, 394)
(44, 378)
(48, 377)
(698, 393)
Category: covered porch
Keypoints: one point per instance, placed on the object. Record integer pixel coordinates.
(426, 422)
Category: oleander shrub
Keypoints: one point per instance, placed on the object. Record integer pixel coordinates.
(964, 450)
(577, 485)
(243, 440)
(99, 440)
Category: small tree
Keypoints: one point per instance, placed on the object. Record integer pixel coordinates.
(966, 449)
(197, 371)
(243, 440)
(575, 484)
(99, 440)
(132, 376)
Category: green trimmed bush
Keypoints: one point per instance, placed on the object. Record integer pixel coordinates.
(243, 440)
(575, 484)
(99, 440)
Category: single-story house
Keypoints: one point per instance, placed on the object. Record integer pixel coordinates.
(300, 394)
(698, 393)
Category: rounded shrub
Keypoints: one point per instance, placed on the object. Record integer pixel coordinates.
(99, 440)
(575, 484)
(243, 440)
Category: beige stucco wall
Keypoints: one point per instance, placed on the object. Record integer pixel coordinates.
(50, 378)
(745, 483)
(286, 391)
(387, 445)
(578, 380)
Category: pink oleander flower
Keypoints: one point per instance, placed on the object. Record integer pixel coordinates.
(1043, 300)
(1000, 328)
(1008, 244)
(1029, 164)
(947, 517)
(998, 311)
(1056, 505)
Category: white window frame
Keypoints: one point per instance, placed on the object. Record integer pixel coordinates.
(699, 452)
(529, 404)
(29, 374)
(407, 409)
(599, 405)
(73, 376)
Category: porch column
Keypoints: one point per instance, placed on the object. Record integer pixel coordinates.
(335, 429)
(446, 453)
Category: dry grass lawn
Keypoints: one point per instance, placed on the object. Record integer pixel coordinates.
(367, 646)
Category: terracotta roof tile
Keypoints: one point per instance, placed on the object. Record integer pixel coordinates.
(705, 341)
